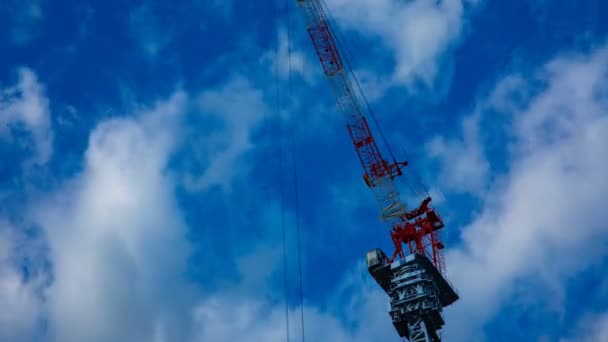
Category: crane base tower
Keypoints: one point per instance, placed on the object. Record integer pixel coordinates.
(417, 291)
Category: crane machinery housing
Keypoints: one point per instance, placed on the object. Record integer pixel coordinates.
(413, 278)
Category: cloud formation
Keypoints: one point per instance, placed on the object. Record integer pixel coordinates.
(25, 18)
(118, 250)
(19, 297)
(237, 108)
(24, 106)
(547, 209)
(418, 32)
(591, 329)
(465, 168)
(117, 241)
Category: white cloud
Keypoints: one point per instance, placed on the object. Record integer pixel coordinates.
(26, 106)
(364, 317)
(419, 32)
(238, 108)
(542, 222)
(465, 168)
(117, 241)
(286, 59)
(119, 253)
(18, 298)
(591, 329)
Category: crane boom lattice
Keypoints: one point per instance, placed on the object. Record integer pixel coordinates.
(415, 282)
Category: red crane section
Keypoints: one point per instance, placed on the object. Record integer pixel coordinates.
(369, 154)
(417, 228)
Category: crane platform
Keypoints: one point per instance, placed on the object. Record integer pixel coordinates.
(417, 291)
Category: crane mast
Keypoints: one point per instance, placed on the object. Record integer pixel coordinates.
(414, 282)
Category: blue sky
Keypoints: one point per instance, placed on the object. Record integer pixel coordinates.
(147, 168)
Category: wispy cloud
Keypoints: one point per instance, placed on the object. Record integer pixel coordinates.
(555, 185)
(25, 106)
(418, 32)
(237, 108)
(287, 61)
(464, 165)
(147, 32)
(24, 19)
(19, 297)
(591, 329)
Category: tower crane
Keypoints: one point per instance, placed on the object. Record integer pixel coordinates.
(413, 277)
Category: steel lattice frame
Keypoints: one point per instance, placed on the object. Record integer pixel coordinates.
(418, 228)
(378, 174)
(418, 331)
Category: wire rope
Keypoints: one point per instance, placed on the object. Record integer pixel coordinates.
(282, 193)
(295, 173)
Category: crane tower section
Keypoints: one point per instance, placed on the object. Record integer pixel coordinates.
(415, 282)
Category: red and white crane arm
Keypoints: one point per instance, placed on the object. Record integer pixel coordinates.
(378, 172)
(417, 228)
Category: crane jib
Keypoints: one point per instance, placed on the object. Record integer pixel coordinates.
(378, 172)
(327, 51)
(326, 48)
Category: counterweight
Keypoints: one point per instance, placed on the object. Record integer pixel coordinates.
(416, 286)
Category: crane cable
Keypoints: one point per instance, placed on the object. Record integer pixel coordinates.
(284, 233)
(282, 193)
(295, 172)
